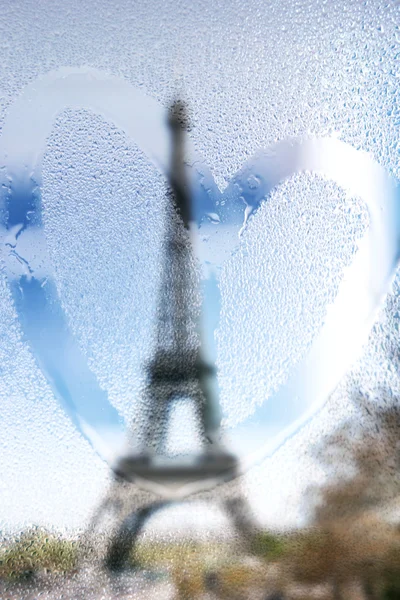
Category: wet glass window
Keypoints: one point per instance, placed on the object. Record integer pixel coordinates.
(199, 298)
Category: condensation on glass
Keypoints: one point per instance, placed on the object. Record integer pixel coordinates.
(293, 163)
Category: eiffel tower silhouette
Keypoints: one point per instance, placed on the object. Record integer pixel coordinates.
(181, 368)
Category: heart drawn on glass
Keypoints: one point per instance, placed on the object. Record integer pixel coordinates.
(30, 277)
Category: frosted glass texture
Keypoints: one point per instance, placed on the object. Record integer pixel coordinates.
(294, 161)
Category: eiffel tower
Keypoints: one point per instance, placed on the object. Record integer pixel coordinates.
(181, 368)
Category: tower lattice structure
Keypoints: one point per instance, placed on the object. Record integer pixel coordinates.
(181, 367)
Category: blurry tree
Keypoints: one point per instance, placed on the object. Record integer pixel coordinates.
(350, 542)
(362, 458)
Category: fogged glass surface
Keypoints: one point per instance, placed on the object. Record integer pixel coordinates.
(253, 75)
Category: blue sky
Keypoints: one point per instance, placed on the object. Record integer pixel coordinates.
(245, 94)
